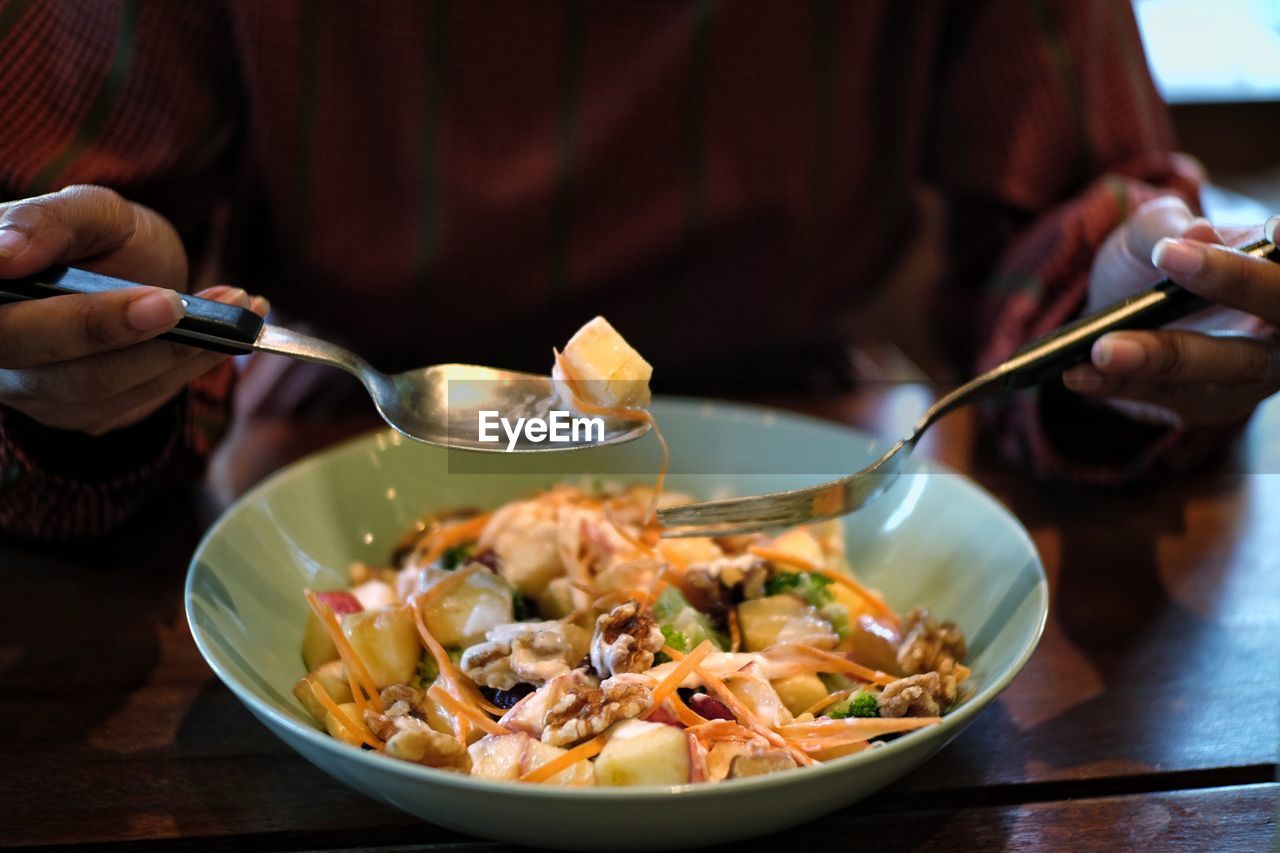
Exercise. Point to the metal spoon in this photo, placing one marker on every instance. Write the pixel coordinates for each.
(438, 405)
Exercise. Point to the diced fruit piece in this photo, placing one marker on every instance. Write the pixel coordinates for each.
(374, 595)
(721, 756)
(576, 775)
(351, 711)
(800, 691)
(758, 695)
(387, 643)
(695, 549)
(462, 615)
(800, 542)
(332, 676)
(525, 538)
(875, 644)
(609, 372)
(317, 646)
(499, 757)
(759, 763)
(557, 600)
(642, 753)
(782, 619)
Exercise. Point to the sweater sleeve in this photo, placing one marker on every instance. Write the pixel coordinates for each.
(1050, 133)
(141, 97)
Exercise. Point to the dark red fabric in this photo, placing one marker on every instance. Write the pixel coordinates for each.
(727, 182)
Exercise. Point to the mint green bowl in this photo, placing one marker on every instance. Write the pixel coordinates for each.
(935, 539)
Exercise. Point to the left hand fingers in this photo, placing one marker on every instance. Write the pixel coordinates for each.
(1223, 275)
(1204, 379)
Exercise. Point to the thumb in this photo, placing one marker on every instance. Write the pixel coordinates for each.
(1123, 264)
(71, 224)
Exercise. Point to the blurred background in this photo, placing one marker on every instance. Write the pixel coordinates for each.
(1217, 64)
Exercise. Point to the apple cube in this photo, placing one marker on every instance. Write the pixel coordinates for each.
(387, 643)
(643, 753)
(800, 691)
(463, 615)
(351, 711)
(782, 619)
(609, 372)
(499, 757)
(317, 646)
(800, 542)
(332, 676)
(577, 775)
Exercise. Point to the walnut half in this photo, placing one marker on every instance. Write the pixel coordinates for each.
(625, 640)
(926, 695)
(928, 645)
(583, 711)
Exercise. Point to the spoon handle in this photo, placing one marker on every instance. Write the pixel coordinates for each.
(1158, 305)
(207, 324)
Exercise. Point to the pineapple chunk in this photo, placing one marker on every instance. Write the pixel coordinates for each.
(609, 372)
(387, 643)
(332, 676)
(643, 753)
(800, 691)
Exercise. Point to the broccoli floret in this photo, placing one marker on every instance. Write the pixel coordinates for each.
(671, 609)
(522, 607)
(812, 588)
(861, 704)
(674, 638)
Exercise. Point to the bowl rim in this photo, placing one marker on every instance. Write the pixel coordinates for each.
(950, 725)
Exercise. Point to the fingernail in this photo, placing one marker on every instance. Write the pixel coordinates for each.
(1198, 223)
(1118, 354)
(1178, 257)
(12, 242)
(156, 309)
(1081, 378)
(1270, 228)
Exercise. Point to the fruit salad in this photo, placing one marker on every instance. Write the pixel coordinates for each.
(558, 640)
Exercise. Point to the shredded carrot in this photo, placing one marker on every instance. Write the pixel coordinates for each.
(682, 670)
(684, 713)
(360, 733)
(746, 715)
(723, 730)
(357, 674)
(632, 539)
(673, 653)
(828, 701)
(624, 413)
(735, 630)
(453, 678)
(822, 661)
(482, 721)
(870, 596)
(565, 760)
(454, 534)
(828, 752)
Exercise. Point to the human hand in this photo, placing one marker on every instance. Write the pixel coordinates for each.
(1212, 370)
(88, 362)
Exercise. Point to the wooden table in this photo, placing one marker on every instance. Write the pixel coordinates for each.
(1148, 717)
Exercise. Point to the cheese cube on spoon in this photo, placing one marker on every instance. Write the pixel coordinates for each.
(608, 371)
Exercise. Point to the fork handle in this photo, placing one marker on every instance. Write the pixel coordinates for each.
(206, 324)
(1158, 305)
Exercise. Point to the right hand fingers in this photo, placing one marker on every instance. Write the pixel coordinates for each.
(65, 328)
(102, 392)
(95, 225)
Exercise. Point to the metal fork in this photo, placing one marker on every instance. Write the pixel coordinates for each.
(1041, 359)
